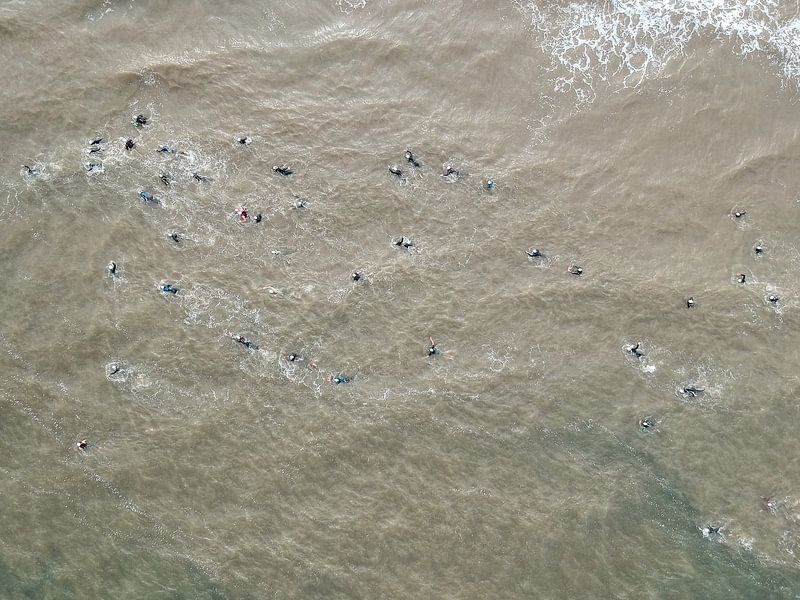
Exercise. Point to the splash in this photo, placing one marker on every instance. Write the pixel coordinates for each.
(631, 41)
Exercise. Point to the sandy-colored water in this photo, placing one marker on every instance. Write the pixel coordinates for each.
(622, 137)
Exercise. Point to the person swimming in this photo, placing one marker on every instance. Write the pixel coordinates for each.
(173, 235)
(166, 149)
(283, 170)
(490, 185)
(533, 253)
(257, 218)
(30, 170)
(689, 302)
(432, 349)
(243, 214)
(340, 378)
(94, 145)
(82, 445)
(635, 349)
(758, 249)
(356, 276)
(96, 141)
(575, 270)
(168, 288)
(691, 390)
(773, 298)
(198, 177)
(448, 170)
(739, 214)
(647, 423)
(395, 170)
(240, 339)
(292, 357)
(403, 242)
(244, 140)
(148, 197)
(412, 159)
(165, 179)
(740, 278)
(91, 167)
(112, 268)
(129, 144)
(710, 530)
(139, 121)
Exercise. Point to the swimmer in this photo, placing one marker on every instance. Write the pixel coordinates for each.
(710, 530)
(82, 445)
(292, 357)
(739, 214)
(490, 185)
(90, 167)
(411, 159)
(691, 391)
(167, 149)
(689, 302)
(94, 149)
(129, 144)
(148, 197)
(244, 140)
(341, 378)
(283, 170)
(356, 276)
(403, 242)
(300, 203)
(647, 423)
(243, 214)
(113, 369)
(773, 298)
(96, 141)
(395, 170)
(758, 249)
(768, 503)
(165, 179)
(575, 270)
(173, 235)
(432, 349)
(635, 350)
(30, 170)
(740, 278)
(112, 268)
(240, 339)
(533, 253)
(198, 177)
(448, 170)
(168, 288)
(257, 218)
(139, 120)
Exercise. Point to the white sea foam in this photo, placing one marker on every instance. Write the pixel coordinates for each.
(634, 40)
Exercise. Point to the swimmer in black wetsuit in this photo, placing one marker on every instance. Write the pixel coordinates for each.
(691, 390)
(341, 378)
(533, 253)
(432, 349)
(356, 276)
(395, 170)
(174, 237)
(448, 170)
(139, 120)
(112, 268)
(165, 179)
(635, 350)
(82, 445)
(198, 177)
(240, 339)
(689, 302)
(403, 242)
(575, 270)
(773, 298)
(740, 278)
(283, 170)
(129, 144)
(758, 249)
(30, 170)
(411, 159)
(739, 214)
(168, 288)
(244, 140)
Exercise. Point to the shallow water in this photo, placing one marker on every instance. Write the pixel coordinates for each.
(622, 137)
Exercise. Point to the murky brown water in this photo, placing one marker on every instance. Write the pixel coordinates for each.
(621, 136)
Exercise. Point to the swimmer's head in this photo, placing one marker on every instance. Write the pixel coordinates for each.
(533, 252)
(689, 302)
(773, 298)
(575, 270)
(129, 144)
(758, 249)
(740, 278)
